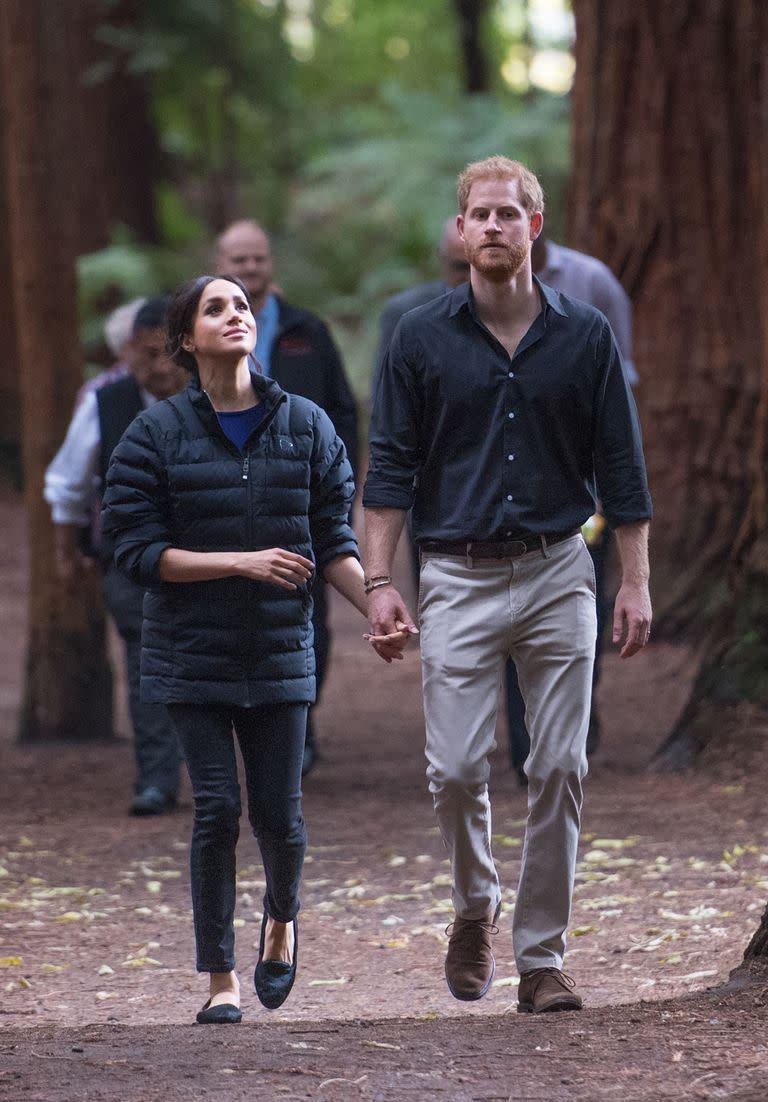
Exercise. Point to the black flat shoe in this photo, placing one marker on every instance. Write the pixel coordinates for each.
(221, 1014)
(273, 979)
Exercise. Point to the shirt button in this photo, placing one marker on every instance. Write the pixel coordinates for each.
(509, 497)
(511, 374)
(511, 416)
(510, 458)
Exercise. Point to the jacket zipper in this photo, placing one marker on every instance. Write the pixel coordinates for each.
(246, 467)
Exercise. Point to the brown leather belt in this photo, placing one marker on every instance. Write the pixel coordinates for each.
(495, 549)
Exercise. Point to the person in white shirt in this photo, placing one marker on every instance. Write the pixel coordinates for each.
(73, 483)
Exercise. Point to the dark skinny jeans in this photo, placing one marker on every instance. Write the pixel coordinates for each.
(272, 745)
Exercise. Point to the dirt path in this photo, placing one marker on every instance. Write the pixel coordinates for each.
(96, 985)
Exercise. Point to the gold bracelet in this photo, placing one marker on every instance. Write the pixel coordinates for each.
(377, 582)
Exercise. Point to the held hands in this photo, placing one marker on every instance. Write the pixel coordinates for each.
(283, 568)
(391, 623)
(633, 611)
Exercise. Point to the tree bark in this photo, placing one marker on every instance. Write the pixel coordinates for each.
(10, 396)
(132, 147)
(470, 15)
(758, 946)
(67, 692)
(117, 143)
(670, 188)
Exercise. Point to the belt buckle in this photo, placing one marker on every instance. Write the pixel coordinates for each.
(516, 543)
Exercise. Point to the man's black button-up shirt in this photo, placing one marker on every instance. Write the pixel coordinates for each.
(484, 446)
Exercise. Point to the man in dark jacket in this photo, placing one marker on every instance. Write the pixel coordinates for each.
(73, 485)
(295, 348)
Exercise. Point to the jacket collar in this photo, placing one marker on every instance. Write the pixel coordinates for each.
(266, 390)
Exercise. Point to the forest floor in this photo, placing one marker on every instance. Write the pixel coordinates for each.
(97, 986)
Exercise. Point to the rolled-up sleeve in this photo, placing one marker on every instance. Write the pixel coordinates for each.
(620, 472)
(135, 511)
(395, 419)
(332, 491)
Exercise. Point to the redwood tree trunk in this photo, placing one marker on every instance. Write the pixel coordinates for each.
(68, 683)
(758, 946)
(118, 160)
(470, 15)
(670, 188)
(10, 396)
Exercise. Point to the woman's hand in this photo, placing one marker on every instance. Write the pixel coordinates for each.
(283, 568)
(390, 646)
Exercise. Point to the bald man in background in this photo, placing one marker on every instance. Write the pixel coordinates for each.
(295, 348)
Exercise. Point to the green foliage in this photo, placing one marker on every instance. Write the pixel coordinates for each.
(368, 211)
(339, 124)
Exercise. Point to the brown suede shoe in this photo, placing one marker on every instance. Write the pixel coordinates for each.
(469, 963)
(544, 990)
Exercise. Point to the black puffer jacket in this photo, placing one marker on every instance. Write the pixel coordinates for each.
(175, 480)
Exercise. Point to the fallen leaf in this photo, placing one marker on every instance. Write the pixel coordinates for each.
(329, 983)
(505, 840)
(11, 962)
(380, 1044)
(615, 843)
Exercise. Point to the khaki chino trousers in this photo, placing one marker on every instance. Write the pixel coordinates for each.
(540, 609)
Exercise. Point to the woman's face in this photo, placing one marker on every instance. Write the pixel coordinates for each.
(223, 322)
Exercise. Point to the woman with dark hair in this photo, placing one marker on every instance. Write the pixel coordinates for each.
(223, 501)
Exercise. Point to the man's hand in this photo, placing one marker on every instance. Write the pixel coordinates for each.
(391, 623)
(633, 612)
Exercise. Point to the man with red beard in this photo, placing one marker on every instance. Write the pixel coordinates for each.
(501, 415)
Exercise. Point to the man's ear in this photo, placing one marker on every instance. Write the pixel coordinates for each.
(460, 225)
(537, 224)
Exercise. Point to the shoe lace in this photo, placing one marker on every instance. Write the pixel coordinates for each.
(468, 928)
